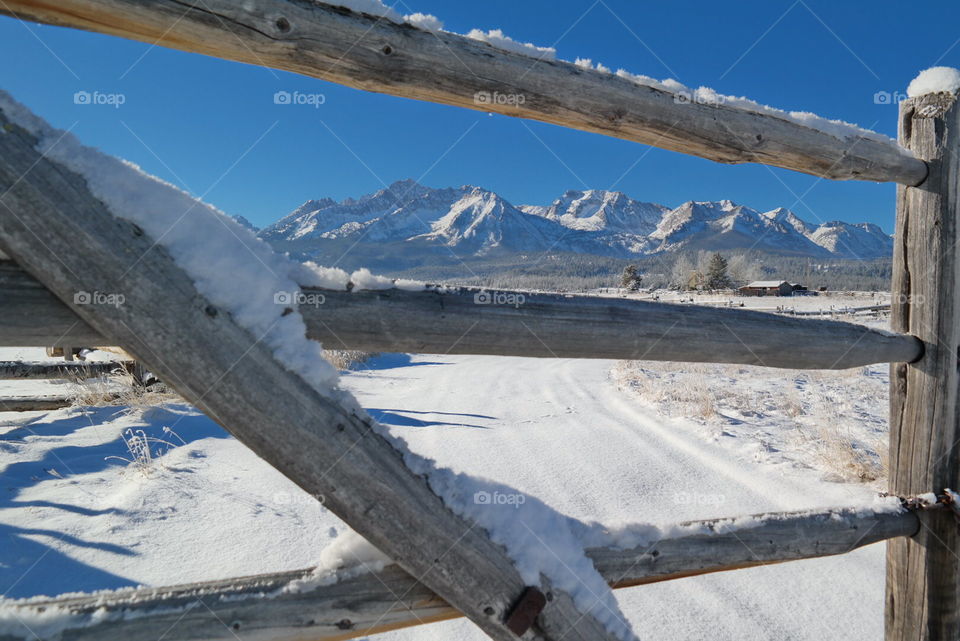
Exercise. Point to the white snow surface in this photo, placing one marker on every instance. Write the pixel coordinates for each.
(500, 40)
(560, 434)
(935, 80)
(240, 273)
(706, 95)
(587, 63)
(425, 21)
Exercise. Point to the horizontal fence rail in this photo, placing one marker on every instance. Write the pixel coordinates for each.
(377, 55)
(518, 324)
(17, 371)
(389, 598)
(35, 403)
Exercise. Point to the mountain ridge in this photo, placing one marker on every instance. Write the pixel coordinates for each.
(414, 224)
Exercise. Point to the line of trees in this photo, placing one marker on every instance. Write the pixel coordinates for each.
(691, 269)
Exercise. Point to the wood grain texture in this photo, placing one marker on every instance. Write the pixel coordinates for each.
(373, 54)
(544, 325)
(34, 403)
(52, 226)
(922, 591)
(16, 370)
(368, 603)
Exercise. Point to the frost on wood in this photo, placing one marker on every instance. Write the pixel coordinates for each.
(424, 21)
(935, 80)
(682, 93)
(428, 22)
(233, 268)
(500, 40)
(240, 273)
(706, 95)
(587, 63)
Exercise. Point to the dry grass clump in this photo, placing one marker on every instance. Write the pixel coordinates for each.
(844, 455)
(122, 390)
(346, 358)
(833, 420)
(144, 451)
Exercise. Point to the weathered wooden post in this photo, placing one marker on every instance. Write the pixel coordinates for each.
(923, 572)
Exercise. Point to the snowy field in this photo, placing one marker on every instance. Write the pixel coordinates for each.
(585, 436)
(832, 422)
(821, 302)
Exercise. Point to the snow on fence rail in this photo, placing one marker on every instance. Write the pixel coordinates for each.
(280, 406)
(386, 493)
(463, 321)
(376, 54)
(360, 600)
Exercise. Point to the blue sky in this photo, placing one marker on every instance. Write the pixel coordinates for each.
(211, 126)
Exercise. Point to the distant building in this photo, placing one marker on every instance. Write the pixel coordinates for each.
(768, 288)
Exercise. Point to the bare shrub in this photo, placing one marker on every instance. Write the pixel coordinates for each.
(346, 358)
(121, 390)
(844, 456)
(145, 450)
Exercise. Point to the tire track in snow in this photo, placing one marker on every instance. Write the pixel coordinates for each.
(562, 431)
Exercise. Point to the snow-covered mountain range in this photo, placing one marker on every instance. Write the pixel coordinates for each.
(410, 222)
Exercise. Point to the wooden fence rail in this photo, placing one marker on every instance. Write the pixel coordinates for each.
(16, 370)
(361, 51)
(540, 325)
(381, 600)
(328, 449)
(35, 403)
(322, 444)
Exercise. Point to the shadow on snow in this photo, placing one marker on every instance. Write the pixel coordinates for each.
(33, 559)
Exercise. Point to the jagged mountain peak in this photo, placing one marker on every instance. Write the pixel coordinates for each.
(473, 220)
(246, 223)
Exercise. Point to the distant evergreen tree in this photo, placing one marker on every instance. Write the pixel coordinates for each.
(631, 278)
(717, 277)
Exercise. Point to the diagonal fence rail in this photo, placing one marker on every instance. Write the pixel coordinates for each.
(324, 446)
